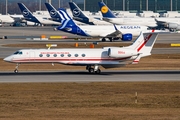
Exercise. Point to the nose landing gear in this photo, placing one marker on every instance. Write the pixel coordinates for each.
(16, 68)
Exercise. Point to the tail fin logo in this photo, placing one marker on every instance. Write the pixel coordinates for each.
(76, 12)
(25, 13)
(53, 13)
(104, 9)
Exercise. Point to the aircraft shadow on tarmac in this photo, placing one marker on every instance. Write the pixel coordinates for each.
(86, 73)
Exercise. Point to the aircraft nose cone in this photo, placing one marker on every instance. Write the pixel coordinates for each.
(7, 59)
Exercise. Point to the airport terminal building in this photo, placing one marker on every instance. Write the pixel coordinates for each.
(134, 5)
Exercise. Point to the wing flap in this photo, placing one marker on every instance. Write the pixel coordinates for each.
(117, 33)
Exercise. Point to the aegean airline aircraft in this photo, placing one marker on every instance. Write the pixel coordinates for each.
(112, 32)
(92, 58)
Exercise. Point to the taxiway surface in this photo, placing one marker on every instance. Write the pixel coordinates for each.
(84, 76)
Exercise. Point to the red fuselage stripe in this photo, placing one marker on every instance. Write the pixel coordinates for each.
(70, 59)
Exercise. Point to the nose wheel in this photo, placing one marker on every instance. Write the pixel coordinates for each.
(16, 68)
(16, 71)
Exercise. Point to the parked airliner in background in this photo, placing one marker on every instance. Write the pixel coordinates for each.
(92, 58)
(110, 17)
(55, 15)
(159, 23)
(111, 32)
(81, 17)
(6, 19)
(38, 19)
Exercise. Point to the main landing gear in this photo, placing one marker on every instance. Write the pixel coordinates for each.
(94, 69)
(16, 68)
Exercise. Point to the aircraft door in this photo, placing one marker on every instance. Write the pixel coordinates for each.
(31, 56)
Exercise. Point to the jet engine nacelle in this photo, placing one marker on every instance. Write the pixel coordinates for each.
(121, 52)
(174, 26)
(127, 37)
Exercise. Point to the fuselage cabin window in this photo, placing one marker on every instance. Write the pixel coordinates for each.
(69, 55)
(76, 55)
(55, 55)
(83, 55)
(40, 55)
(48, 55)
(62, 55)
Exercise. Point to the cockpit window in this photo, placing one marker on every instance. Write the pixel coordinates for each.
(18, 52)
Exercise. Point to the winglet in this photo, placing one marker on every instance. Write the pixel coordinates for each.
(106, 12)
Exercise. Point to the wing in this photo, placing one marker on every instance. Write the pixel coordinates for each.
(115, 34)
(160, 22)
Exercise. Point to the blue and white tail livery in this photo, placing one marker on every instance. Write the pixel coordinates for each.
(79, 15)
(27, 13)
(38, 19)
(68, 25)
(53, 13)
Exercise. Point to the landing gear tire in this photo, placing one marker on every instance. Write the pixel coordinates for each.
(91, 70)
(16, 71)
(103, 39)
(98, 71)
(111, 39)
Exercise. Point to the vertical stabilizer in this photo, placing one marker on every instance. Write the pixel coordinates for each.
(25, 11)
(53, 12)
(68, 25)
(106, 12)
(78, 14)
(144, 44)
(66, 19)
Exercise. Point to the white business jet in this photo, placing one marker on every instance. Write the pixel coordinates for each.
(92, 58)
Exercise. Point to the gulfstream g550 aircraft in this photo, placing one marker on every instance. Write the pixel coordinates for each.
(107, 57)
